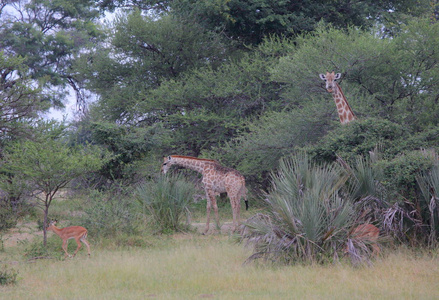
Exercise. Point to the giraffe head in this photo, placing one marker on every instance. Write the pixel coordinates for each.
(330, 79)
(167, 163)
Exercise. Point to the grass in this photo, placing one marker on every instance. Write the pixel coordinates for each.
(194, 267)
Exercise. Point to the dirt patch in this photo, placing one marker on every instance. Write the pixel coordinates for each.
(23, 232)
(226, 228)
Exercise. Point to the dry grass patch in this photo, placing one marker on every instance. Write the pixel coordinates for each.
(197, 267)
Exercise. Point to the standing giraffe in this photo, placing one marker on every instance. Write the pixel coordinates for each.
(344, 110)
(216, 179)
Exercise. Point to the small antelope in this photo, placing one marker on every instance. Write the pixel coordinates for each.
(367, 233)
(78, 233)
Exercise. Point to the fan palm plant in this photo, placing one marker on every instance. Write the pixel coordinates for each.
(167, 199)
(307, 219)
(429, 185)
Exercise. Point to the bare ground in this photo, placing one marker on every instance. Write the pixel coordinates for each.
(24, 231)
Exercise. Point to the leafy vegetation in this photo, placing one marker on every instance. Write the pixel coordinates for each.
(310, 213)
(8, 276)
(231, 80)
(167, 200)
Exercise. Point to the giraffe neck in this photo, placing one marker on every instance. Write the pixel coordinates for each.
(192, 163)
(345, 112)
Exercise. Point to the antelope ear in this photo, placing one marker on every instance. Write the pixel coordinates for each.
(337, 76)
(169, 157)
(322, 76)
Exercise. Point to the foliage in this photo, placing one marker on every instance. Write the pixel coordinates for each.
(428, 182)
(8, 275)
(393, 79)
(308, 218)
(359, 138)
(208, 107)
(8, 218)
(42, 168)
(132, 148)
(143, 52)
(167, 200)
(108, 215)
(20, 102)
(401, 171)
(54, 33)
(248, 22)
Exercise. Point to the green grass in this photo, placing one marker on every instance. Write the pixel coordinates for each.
(193, 266)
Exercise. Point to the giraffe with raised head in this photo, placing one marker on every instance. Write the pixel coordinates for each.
(345, 112)
(216, 179)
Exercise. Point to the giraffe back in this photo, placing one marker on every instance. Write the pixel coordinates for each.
(222, 179)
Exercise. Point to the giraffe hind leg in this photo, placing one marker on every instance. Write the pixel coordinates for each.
(234, 201)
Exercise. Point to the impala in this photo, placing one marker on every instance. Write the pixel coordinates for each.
(368, 234)
(78, 233)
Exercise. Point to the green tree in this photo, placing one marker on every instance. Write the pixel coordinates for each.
(20, 103)
(49, 35)
(143, 52)
(248, 22)
(394, 78)
(133, 150)
(45, 167)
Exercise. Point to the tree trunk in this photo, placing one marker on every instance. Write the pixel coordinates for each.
(46, 213)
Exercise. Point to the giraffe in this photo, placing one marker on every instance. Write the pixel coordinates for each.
(216, 179)
(345, 112)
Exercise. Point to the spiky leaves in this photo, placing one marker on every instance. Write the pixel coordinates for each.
(167, 199)
(307, 220)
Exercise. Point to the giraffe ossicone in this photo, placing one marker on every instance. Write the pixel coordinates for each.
(345, 112)
(216, 179)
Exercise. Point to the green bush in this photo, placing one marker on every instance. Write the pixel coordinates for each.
(167, 200)
(7, 275)
(400, 173)
(8, 218)
(110, 215)
(359, 138)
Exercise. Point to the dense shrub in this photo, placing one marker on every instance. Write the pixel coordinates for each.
(359, 138)
(7, 275)
(109, 215)
(8, 218)
(401, 171)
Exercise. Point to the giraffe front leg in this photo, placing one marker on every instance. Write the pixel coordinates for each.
(215, 209)
(208, 206)
(211, 202)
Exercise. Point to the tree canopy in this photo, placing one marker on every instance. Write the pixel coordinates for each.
(232, 80)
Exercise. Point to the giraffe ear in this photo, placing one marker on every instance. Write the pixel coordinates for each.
(322, 76)
(337, 76)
